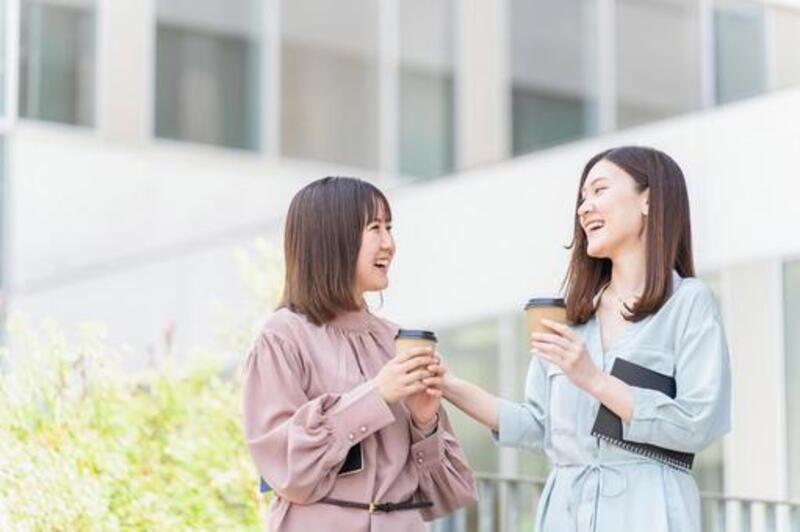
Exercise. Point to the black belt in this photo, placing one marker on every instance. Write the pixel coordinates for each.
(373, 507)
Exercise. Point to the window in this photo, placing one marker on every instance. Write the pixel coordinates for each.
(791, 299)
(530, 464)
(57, 61)
(329, 81)
(426, 108)
(657, 60)
(3, 56)
(709, 466)
(551, 72)
(3, 206)
(3, 232)
(207, 75)
(471, 353)
(740, 49)
(785, 24)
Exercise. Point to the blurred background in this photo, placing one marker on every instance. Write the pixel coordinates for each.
(145, 142)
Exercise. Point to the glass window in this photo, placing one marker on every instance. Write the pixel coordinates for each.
(785, 24)
(57, 61)
(551, 72)
(207, 75)
(426, 110)
(740, 53)
(3, 206)
(532, 464)
(329, 81)
(3, 58)
(709, 466)
(791, 298)
(471, 353)
(657, 59)
(3, 217)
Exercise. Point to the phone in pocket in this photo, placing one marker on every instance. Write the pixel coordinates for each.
(353, 462)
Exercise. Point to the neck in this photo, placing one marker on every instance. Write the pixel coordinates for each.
(628, 274)
(358, 297)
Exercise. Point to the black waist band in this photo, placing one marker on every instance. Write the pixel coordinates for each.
(373, 507)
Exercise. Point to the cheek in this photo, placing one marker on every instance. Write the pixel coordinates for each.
(362, 266)
(364, 260)
(366, 255)
(629, 225)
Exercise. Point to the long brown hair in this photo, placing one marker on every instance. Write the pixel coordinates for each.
(324, 227)
(668, 236)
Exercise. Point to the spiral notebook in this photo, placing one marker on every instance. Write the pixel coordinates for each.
(608, 425)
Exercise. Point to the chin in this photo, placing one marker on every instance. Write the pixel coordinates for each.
(597, 252)
(377, 286)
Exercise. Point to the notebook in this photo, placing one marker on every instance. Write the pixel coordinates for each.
(608, 425)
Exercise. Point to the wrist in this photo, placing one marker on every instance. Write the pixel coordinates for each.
(449, 385)
(428, 425)
(595, 383)
(385, 394)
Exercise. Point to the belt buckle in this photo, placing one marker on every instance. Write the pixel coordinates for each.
(373, 507)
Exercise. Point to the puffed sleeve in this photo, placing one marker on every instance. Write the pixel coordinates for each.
(298, 444)
(445, 477)
(523, 424)
(700, 412)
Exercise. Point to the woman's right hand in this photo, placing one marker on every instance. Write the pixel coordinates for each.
(402, 376)
(471, 399)
(448, 380)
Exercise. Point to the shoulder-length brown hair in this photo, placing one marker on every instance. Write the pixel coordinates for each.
(668, 236)
(322, 238)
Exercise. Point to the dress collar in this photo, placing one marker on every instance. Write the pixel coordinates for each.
(353, 320)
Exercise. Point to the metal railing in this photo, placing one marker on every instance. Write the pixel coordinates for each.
(508, 503)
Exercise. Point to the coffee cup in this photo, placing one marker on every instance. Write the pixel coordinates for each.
(541, 308)
(413, 338)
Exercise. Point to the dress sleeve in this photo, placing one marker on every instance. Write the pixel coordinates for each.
(298, 444)
(700, 412)
(445, 477)
(523, 424)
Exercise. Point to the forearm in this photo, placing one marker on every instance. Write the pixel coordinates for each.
(473, 400)
(613, 393)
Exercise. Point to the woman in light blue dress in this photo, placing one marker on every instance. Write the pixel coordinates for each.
(630, 293)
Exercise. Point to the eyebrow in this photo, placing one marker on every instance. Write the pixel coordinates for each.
(593, 181)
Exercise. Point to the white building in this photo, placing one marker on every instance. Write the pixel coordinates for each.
(143, 141)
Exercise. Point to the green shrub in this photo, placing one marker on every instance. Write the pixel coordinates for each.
(85, 445)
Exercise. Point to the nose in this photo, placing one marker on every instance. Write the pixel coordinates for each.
(585, 207)
(387, 241)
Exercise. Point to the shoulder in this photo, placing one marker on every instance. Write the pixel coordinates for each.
(285, 322)
(285, 330)
(693, 295)
(696, 309)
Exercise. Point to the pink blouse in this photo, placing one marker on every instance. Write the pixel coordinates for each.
(309, 397)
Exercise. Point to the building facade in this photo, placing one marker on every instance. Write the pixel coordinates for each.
(143, 141)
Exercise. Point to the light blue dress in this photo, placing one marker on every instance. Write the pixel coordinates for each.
(597, 486)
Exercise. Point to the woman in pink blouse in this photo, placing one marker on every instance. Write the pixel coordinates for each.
(350, 436)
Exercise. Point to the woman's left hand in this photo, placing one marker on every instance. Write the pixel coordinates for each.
(564, 348)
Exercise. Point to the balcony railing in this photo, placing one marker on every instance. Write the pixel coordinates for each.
(509, 503)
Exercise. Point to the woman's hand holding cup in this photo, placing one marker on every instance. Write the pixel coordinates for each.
(403, 375)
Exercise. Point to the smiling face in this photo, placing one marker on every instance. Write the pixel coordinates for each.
(375, 256)
(612, 212)
(631, 212)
